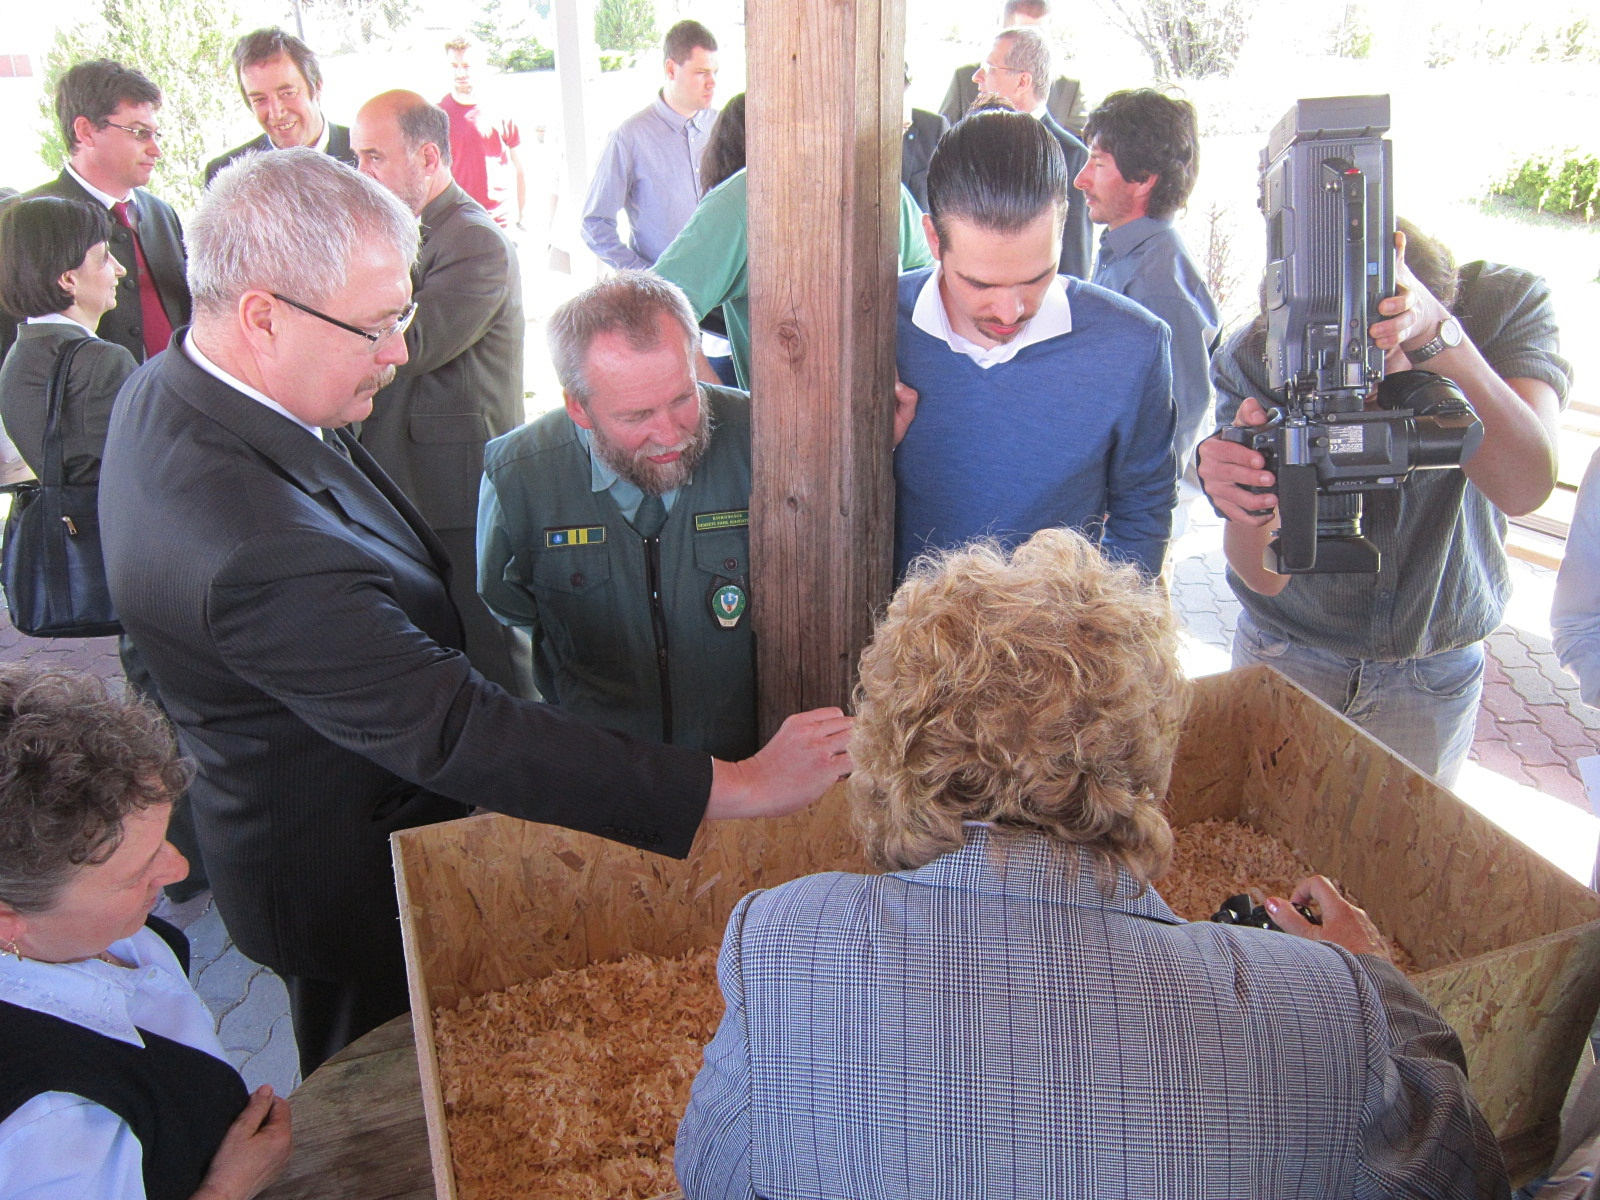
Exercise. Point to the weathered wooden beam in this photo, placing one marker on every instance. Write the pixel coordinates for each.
(824, 155)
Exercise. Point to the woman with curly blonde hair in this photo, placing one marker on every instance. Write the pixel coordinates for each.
(1012, 1011)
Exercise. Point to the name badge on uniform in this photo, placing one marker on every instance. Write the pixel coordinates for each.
(728, 604)
(736, 518)
(576, 535)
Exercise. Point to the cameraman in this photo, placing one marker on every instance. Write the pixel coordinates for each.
(1401, 652)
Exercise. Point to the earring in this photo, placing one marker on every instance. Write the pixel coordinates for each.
(11, 949)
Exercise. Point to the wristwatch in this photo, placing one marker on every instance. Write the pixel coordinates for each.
(1448, 338)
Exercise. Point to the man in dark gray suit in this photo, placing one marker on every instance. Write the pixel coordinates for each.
(108, 120)
(1017, 66)
(281, 81)
(292, 605)
(462, 384)
(1066, 102)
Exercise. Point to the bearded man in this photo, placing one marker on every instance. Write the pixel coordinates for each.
(616, 530)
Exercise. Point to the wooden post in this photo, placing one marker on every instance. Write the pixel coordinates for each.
(824, 106)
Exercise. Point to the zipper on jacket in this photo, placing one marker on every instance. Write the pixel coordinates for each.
(658, 623)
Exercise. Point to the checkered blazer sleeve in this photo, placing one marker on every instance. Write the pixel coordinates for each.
(713, 1150)
(1422, 1135)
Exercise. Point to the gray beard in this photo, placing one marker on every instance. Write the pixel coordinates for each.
(656, 479)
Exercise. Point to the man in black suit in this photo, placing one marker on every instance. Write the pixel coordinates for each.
(281, 80)
(1066, 101)
(1017, 66)
(462, 384)
(108, 120)
(292, 605)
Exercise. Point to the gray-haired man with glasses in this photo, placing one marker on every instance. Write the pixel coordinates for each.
(108, 118)
(462, 385)
(292, 605)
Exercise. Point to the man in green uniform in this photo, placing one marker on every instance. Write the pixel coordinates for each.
(616, 530)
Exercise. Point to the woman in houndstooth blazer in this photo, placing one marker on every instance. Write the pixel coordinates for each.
(1011, 1010)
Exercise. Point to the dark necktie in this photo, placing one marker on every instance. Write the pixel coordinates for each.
(652, 515)
(336, 443)
(157, 329)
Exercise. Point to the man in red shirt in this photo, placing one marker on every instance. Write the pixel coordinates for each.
(483, 149)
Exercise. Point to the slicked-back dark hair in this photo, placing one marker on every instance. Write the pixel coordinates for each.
(39, 240)
(684, 38)
(95, 89)
(1150, 133)
(997, 169)
(75, 761)
(264, 45)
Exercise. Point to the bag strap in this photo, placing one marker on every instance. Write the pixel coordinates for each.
(54, 452)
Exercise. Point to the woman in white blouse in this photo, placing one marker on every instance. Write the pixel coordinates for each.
(112, 1080)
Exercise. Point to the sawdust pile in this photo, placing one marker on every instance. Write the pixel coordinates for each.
(573, 1085)
(1212, 860)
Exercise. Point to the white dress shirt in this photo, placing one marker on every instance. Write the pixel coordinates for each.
(1052, 320)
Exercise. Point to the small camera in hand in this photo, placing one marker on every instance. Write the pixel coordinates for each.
(1242, 910)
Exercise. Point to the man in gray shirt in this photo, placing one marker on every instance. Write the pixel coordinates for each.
(650, 167)
(1144, 156)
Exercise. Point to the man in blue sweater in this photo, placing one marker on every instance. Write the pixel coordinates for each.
(1042, 400)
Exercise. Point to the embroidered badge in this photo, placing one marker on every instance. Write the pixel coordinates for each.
(733, 519)
(581, 535)
(728, 604)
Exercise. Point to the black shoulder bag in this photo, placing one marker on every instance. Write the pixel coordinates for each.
(51, 567)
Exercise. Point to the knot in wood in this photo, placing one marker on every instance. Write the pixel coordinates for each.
(792, 341)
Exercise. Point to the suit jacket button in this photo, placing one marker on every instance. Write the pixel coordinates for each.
(728, 564)
(577, 579)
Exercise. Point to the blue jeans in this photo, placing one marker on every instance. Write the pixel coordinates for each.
(1424, 709)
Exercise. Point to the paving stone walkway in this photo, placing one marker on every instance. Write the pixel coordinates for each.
(1532, 730)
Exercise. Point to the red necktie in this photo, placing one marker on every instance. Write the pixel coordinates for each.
(157, 329)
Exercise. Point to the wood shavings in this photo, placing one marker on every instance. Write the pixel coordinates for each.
(1212, 860)
(573, 1085)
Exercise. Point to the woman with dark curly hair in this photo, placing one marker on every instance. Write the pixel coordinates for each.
(1011, 1010)
(112, 1080)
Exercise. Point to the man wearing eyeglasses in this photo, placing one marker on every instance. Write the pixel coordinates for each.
(107, 114)
(292, 605)
(1017, 70)
(281, 80)
(462, 384)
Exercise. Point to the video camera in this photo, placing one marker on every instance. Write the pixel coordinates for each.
(1328, 199)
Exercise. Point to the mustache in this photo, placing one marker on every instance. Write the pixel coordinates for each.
(382, 379)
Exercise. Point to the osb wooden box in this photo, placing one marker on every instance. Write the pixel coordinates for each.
(1507, 943)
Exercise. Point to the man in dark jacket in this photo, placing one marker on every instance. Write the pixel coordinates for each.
(462, 383)
(291, 603)
(108, 116)
(617, 531)
(281, 81)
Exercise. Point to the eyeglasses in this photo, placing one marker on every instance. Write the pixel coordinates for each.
(989, 66)
(401, 323)
(141, 133)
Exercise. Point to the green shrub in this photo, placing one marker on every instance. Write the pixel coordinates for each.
(1564, 182)
(527, 54)
(610, 61)
(625, 25)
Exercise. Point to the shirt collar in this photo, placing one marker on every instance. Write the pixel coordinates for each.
(1124, 239)
(327, 133)
(1053, 319)
(57, 319)
(105, 198)
(94, 994)
(677, 121)
(216, 372)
